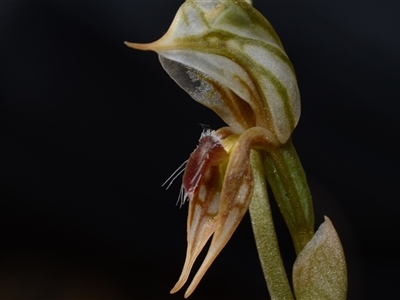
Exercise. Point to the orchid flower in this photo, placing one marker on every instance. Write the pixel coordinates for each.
(219, 182)
(228, 57)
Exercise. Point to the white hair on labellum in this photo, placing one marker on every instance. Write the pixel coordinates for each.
(187, 191)
(175, 175)
(182, 197)
(207, 131)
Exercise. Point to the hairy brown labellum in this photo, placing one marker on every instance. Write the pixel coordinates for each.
(208, 153)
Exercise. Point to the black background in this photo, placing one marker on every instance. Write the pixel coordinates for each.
(90, 129)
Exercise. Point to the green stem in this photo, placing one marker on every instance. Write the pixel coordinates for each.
(288, 182)
(264, 233)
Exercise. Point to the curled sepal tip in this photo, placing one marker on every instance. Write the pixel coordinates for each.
(320, 269)
(227, 56)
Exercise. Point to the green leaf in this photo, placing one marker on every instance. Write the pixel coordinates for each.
(320, 269)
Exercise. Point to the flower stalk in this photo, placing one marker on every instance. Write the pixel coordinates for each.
(291, 192)
(265, 236)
